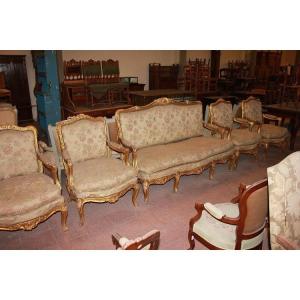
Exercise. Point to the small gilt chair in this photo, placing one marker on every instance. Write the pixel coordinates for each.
(27, 196)
(284, 203)
(92, 174)
(8, 114)
(221, 120)
(236, 225)
(149, 241)
(270, 134)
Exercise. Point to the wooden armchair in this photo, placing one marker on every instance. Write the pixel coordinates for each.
(221, 120)
(149, 241)
(236, 225)
(27, 196)
(284, 203)
(92, 174)
(270, 134)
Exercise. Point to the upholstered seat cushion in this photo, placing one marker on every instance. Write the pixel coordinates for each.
(220, 234)
(95, 176)
(26, 197)
(270, 131)
(241, 137)
(161, 157)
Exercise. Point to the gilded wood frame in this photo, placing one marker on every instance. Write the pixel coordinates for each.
(231, 159)
(68, 165)
(241, 199)
(31, 224)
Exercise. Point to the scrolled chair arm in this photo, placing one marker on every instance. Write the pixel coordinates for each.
(273, 118)
(49, 165)
(215, 128)
(69, 165)
(244, 122)
(43, 147)
(121, 149)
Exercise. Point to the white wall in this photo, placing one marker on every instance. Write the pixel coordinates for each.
(131, 62)
(30, 74)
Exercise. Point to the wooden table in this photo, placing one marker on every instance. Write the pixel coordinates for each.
(146, 97)
(287, 110)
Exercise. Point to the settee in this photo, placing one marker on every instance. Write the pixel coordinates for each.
(166, 140)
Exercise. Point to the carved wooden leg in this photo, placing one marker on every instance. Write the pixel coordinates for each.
(266, 148)
(135, 193)
(191, 240)
(80, 210)
(146, 190)
(212, 170)
(176, 182)
(64, 216)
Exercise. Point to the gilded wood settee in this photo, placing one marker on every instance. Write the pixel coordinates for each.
(166, 140)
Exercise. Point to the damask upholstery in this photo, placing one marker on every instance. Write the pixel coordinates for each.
(270, 131)
(252, 110)
(244, 137)
(284, 201)
(85, 139)
(223, 235)
(8, 114)
(179, 153)
(221, 114)
(160, 125)
(17, 153)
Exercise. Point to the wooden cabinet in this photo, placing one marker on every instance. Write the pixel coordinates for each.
(163, 77)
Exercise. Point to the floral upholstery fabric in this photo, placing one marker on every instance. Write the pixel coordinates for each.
(101, 176)
(26, 197)
(17, 153)
(284, 200)
(161, 157)
(242, 137)
(221, 114)
(161, 124)
(85, 139)
(252, 110)
(8, 116)
(220, 234)
(270, 131)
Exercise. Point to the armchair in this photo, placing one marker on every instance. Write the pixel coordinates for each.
(221, 121)
(92, 174)
(149, 241)
(27, 196)
(284, 203)
(270, 134)
(236, 225)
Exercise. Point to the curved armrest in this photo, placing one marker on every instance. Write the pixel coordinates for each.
(285, 243)
(244, 122)
(273, 118)
(43, 147)
(50, 165)
(68, 163)
(119, 148)
(214, 128)
(214, 211)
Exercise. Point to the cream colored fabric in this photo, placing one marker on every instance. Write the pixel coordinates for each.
(161, 125)
(284, 200)
(213, 210)
(220, 234)
(17, 153)
(8, 116)
(161, 157)
(242, 137)
(100, 176)
(85, 139)
(270, 131)
(26, 197)
(125, 242)
(221, 114)
(185, 167)
(252, 110)
(113, 134)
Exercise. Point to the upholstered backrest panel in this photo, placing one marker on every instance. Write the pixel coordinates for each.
(221, 114)
(252, 110)
(8, 116)
(17, 153)
(160, 124)
(284, 200)
(257, 209)
(85, 139)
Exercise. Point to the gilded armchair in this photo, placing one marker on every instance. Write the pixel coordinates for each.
(284, 203)
(236, 225)
(92, 174)
(27, 196)
(221, 121)
(270, 134)
(149, 241)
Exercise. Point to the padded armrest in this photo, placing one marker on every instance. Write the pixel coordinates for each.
(214, 211)
(242, 121)
(117, 147)
(285, 243)
(65, 154)
(44, 147)
(273, 118)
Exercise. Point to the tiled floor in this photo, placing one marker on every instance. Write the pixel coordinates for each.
(167, 211)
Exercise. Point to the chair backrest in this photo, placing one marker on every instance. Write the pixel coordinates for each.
(55, 146)
(252, 110)
(220, 113)
(8, 114)
(149, 241)
(284, 200)
(83, 136)
(92, 71)
(253, 207)
(18, 148)
(160, 122)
